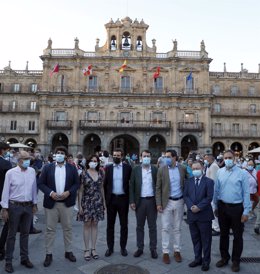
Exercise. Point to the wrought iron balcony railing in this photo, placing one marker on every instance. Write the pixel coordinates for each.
(190, 126)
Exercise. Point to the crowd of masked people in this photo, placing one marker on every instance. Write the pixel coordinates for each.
(217, 195)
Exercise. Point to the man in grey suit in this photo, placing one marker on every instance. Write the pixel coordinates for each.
(142, 200)
(170, 203)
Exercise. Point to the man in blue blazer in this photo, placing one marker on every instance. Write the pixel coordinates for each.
(59, 182)
(116, 188)
(198, 194)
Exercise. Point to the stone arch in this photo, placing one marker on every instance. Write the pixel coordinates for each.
(31, 143)
(126, 142)
(59, 139)
(91, 144)
(157, 144)
(217, 148)
(188, 144)
(253, 145)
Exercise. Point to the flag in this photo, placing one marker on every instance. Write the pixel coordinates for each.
(123, 67)
(87, 71)
(55, 69)
(156, 74)
(189, 77)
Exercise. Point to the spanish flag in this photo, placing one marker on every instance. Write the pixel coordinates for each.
(55, 69)
(156, 74)
(123, 67)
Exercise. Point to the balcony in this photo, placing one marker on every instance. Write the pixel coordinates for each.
(190, 126)
(235, 112)
(124, 124)
(63, 124)
(228, 133)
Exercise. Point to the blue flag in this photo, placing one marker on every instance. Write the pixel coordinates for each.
(189, 77)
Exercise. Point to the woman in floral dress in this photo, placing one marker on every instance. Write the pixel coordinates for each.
(91, 204)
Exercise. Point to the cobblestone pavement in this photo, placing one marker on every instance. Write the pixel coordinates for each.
(154, 266)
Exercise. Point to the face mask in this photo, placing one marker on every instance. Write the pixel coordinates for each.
(197, 158)
(92, 165)
(37, 154)
(60, 158)
(7, 154)
(196, 173)
(250, 168)
(247, 159)
(229, 163)
(116, 160)
(206, 162)
(168, 161)
(26, 163)
(146, 161)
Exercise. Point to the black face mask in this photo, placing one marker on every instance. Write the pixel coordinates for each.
(116, 160)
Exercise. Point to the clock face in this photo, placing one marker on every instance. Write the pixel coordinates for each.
(125, 53)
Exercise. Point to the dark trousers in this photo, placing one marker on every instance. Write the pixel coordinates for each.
(229, 216)
(120, 205)
(146, 210)
(19, 216)
(201, 238)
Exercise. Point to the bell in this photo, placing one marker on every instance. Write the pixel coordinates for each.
(113, 43)
(126, 43)
(139, 43)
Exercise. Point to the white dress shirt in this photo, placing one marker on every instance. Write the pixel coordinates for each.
(147, 183)
(60, 178)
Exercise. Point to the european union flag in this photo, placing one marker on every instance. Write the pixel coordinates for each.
(189, 77)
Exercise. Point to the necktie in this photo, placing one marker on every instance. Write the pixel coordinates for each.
(196, 185)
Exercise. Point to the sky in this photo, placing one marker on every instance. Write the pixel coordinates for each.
(229, 28)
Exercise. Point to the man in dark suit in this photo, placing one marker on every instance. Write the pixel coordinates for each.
(198, 194)
(59, 182)
(142, 200)
(116, 188)
(4, 167)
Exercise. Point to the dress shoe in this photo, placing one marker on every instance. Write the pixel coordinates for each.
(257, 230)
(138, 253)
(205, 267)
(109, 252)
(235, 267)
(195, 263)
(70, 257)
(154, 254)
(222, 263)
(124, 252)
(166, 258)
(27, 263)
(9, 268)
(48, 260)
(215, 233)
(177, 256)
(35, 231)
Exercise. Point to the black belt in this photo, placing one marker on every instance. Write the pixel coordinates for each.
(147, 197)
(30, 203)
(175, 199)
(229, 204)
(119, 195)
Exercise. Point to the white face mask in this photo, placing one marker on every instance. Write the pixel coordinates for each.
(92, 165)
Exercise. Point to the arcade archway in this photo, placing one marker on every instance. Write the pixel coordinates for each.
(91, 144)
(217, 148)
(59, 139)
(31, 143)
(12, 141)
(125, 142)
(237, 148)
(253, 146)
(188, 144)
(157, 145)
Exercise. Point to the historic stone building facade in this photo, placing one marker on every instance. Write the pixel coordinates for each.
(187, 108)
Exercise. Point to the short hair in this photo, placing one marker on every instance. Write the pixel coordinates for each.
(89, 160)
(105, 154)
(230, 151)
(147, 151)
(198, 162)
(4, 146)
(62, 148)
(173, 152)
(38, 149)
(70, 155)
(118, 150)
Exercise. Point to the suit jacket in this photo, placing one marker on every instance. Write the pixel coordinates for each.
(136, 183)
(108, 181)
(202, 198)
(211, 171)
(47, 184)
(163, 184)
(4, 167)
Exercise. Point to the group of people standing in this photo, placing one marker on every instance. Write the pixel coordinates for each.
(207, 192)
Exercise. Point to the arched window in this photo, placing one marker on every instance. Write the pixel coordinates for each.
(216, 89)
(113, 43)
(234, 90)
(126, 41)
(217, 107)
(139, 44)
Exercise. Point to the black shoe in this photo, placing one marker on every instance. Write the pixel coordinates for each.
(124, 252)
(35, 231)
(215, 233)
(2, 255)
(195, 263)
(9, 268)
(222, 263)
(235, 267)
(109, 252)
(138, 253)
(48, 260)
(154, 254)
(70, 257)
(27, 263)
(205, 267)
(257, 230)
